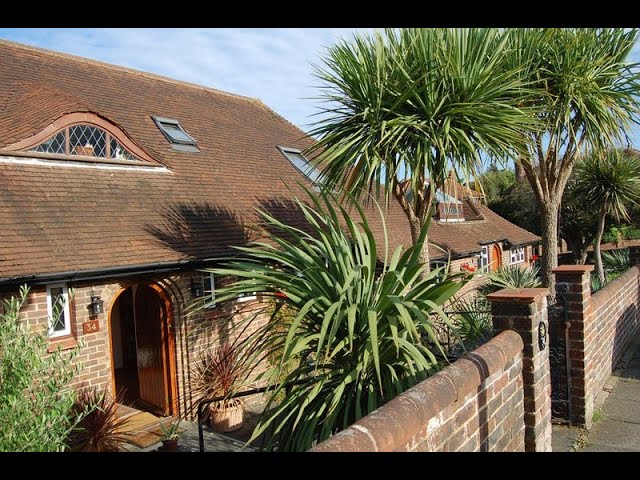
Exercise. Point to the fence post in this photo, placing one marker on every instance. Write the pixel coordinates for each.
(573, 282)
(524, 310)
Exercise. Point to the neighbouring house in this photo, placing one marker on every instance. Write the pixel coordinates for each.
(118, 186)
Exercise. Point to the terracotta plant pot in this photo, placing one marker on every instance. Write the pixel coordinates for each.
(170, 445)
(227, 418)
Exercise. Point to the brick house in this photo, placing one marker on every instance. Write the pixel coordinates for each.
(118, 186)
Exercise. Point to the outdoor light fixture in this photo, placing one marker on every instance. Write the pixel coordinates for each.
(196, 289)
(96, 306)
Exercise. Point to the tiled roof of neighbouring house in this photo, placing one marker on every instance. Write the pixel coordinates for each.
(55, 219)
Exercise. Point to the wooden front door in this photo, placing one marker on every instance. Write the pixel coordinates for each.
(152, 351)
(496, 257)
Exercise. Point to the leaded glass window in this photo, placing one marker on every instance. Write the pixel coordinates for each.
(85, 140)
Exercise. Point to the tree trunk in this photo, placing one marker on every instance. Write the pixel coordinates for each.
(597, 254)
(549, 260)
(578, 246)
(521, 176)
(416, 227)
(583, 257)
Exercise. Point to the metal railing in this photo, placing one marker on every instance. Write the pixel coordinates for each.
(246, 393)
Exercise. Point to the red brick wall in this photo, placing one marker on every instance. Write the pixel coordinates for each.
(616, 322)
(193, 332)
(475, 404)
(601, 327)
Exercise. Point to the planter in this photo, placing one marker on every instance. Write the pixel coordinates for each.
(170, 445)
(227, 417)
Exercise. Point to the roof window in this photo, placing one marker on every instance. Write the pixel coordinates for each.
(173, 131)
(301, 163)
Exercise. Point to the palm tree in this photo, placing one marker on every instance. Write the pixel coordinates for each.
(608, 182)
(405, 106)
(587, 99)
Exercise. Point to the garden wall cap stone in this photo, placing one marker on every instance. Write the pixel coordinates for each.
(573, 269)
(518, 295)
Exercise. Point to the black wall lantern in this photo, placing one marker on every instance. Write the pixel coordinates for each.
(96, 306)
(196, 289)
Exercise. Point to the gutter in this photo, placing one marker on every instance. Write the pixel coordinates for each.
(102, 273)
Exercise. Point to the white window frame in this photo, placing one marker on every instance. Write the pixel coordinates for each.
(66, 311)
(439, 264)
(212, 292)
(484, 259)
(247, 297)
(516, 255)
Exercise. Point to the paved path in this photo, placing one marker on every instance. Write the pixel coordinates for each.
(616, 426)
(214, 442)
(618, 430)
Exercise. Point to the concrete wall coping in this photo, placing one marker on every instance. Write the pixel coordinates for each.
(573, 269)
(518, 295)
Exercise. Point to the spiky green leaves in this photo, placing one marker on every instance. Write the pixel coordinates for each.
(356, 325)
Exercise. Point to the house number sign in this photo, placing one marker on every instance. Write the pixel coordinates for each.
(542, 335)
(91, 326)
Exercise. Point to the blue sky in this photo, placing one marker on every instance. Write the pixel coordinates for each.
(272, 64)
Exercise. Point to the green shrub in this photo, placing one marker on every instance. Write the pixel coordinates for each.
(35, 397)
(473, 322)
(356, 337)
(616, 261)
(510, 276)
(630, 232)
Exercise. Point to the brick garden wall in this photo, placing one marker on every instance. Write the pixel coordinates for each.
(601, 327)
(475, 404)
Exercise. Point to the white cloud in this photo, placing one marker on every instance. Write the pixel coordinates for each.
(273, 65)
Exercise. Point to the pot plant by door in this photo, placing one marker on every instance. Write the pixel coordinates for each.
(219, 374)
(170, 436)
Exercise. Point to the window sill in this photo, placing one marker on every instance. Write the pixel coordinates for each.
(64, 343)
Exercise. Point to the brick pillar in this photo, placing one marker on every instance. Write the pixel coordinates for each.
(573, 284)
(523, 310)
(634, 255)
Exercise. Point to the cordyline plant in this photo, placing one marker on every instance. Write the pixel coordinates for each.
(218, 373)
(586, 98)
(405, 106)
(608, 183)
(359, 329)
(101, 429)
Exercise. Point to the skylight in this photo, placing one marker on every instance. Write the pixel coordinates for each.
(301, 163)
(174, 132)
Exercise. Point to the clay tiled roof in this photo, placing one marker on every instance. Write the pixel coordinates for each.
(58, 219)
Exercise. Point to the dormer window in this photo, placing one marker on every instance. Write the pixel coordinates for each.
(302, 164)
(173, 131)
(83, 137)
(450, 212)
(85, 141)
